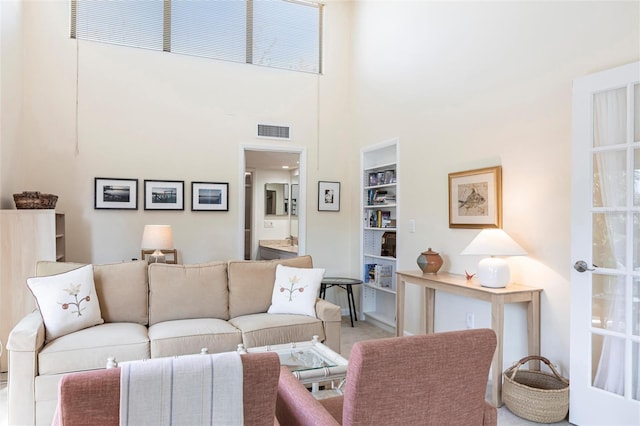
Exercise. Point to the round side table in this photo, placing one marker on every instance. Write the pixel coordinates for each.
(345, 283)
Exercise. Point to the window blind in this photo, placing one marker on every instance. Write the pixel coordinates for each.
(275, 33)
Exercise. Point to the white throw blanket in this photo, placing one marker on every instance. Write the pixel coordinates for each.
(187, 390)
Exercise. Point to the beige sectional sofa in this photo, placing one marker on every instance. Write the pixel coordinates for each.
(155, 311)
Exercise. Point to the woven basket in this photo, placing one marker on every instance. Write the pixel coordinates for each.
(535, 395)
(35, 200)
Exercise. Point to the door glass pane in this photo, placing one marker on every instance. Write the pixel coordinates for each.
(607, 307)
(636, 242)
(636, 112)
(636, 177)
(608, 363)
(609, 240)
(635, 371)
(635, 307)
(610, 117)
(609, 179)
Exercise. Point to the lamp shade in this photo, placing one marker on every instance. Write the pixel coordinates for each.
(492, 271)
(493, 242)
(157, 237)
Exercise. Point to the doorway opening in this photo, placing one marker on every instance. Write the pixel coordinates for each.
(273, 198)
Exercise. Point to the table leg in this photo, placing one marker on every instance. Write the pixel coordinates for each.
(429, 310)
(323, 290)
(349, 300)
(352, 303)
(497, 324)
(533, 328)
(400, 307)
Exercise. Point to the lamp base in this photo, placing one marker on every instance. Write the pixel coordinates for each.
(493, 272)
(157, 257)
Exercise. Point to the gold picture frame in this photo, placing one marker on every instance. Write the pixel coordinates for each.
(475, 198)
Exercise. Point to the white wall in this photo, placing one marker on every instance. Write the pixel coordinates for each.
(11, 83)
(466, 85)
(152, 115)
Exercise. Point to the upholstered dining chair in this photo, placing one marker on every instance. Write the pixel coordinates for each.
(93, 397)
(435, 379)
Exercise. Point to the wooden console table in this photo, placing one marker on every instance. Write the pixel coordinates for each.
(457, 284)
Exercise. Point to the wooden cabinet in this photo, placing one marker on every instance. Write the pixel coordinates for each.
(27, 236)
(380, 216)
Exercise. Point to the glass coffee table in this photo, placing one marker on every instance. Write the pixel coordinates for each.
(310, 362)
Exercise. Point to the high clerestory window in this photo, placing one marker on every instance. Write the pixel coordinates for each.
(275, 33)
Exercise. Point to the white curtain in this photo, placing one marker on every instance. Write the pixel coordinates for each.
(610, 129)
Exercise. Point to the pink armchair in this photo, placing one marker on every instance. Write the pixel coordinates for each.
(433, 379)
(93, 397)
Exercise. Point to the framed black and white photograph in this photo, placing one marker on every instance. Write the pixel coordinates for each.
(328, 196)
(163, 195)
(117, 194)
(210, 196)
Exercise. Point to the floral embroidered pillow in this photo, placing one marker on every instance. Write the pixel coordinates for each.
(295, 290)
(68, 302)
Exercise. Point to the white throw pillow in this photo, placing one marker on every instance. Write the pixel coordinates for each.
(295, 290)
(68, 302)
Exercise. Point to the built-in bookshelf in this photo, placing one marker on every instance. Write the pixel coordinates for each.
(380, 218)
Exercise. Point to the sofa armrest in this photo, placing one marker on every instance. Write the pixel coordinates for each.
(296, 405)
(331, 316)
(25, 342)
(327, 311)
(28, 334)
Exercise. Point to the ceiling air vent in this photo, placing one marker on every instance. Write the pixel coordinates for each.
(274, 132)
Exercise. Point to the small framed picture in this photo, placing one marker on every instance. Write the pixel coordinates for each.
(163, 195)
(475, 198)
(117, 194)
(328, 196)
(210, 196)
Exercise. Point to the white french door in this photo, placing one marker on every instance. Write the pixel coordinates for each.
(605, 237)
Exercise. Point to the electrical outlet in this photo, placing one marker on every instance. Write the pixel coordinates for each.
(470, 320)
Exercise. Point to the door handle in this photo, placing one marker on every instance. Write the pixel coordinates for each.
(582, 266)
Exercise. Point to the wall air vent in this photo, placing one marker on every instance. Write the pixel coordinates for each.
(274, 132)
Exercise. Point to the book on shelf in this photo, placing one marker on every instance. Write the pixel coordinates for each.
(380, 219)
(370, 273)
(383, 275)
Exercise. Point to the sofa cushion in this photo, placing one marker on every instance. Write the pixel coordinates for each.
(188, 291)
(68, 301)
(89, 349)
(251, 283)
(123, 291)
(189, 336)
(295, 290)
(272, 329)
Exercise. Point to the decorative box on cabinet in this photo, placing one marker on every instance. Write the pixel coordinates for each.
(379, 208)
(27, 236)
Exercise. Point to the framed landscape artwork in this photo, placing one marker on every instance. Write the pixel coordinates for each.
(209, 196)
(163, 195)
(114, 193)
(328, 196)
(475, 198)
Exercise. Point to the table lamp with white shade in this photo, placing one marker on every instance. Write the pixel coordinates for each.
(493, 271)
(158, 238)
